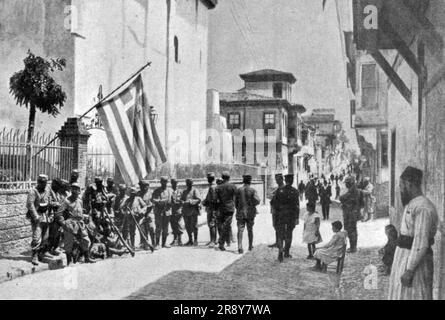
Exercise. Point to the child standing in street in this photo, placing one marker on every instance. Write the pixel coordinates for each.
(311, 233)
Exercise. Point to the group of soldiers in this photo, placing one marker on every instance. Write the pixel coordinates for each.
(103, 221)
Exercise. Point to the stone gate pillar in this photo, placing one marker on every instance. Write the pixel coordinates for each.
(74, 133)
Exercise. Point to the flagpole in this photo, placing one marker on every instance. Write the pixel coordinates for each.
(97, 104)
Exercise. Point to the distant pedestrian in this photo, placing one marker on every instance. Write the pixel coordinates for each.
(301, 188)
(325, 199)
(311, 192)
(367, 189)
(311, 232)
(412, 271)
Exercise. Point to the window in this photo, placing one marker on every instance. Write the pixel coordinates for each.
(269, 120)
(234, 121)
(176, 44)
(278, 90)
(369, 86)
(393, 168)
(384, 154)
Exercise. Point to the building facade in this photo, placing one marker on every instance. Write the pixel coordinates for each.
(264, 105)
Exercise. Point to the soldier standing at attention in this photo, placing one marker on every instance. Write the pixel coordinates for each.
(38, 202)
(190, 200)
(350, 203)
(148, 219)
(287, 210)
(135, 206)
(71, 217)
(211, 205)
(176, 221)
(162, 199)
(225, 194)
(246, 200)
(280, 182)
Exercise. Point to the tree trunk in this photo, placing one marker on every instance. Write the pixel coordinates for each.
(31, 124)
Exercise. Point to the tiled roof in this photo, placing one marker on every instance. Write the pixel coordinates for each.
(268, 75)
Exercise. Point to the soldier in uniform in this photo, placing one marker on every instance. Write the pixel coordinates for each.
(246, 200)
(38, 203)
(287, 211)
(148, 220)
(119, 200)
(162, 199)
(350, 203)
(211, 205)
(177, 220)
(190, 200)
(95, 202)
(71, 217)
(58, 188)
(225, 194)
(136, 206)
(280, 182)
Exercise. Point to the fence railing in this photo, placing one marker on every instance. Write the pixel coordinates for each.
(100, 163)
(20, 164)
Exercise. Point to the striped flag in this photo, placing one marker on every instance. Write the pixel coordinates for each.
(131, 133)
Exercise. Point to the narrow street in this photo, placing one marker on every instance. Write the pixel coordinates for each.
(203, 273)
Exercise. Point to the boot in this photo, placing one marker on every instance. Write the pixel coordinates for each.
(69, 258)
(190, 242)
(280, 256)
(179, 241)
(35, 258)
(152, 238)
(250, 234)
(164, 242)
(158, 246)
(175, 241)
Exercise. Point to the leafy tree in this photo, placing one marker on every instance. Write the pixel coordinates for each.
(35, 88)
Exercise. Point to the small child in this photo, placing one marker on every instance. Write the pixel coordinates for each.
(390, 248)
(333, 250)
(311, 233)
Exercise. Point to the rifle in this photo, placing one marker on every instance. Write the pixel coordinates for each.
(140, 229)
(116, 230)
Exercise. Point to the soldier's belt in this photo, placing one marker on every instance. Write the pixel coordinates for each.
(406, 242)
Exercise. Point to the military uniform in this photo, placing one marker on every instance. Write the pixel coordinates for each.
(118, 202)
(350, 203)
(70, 215)
(287, 210)
(38, 204)
(148, 220)
(225, 194)
(138, 208)
(211, 205)
(190, 211)
(55, 230)
(177, 220)
(96, 201)
(246, 200)
(162, 199)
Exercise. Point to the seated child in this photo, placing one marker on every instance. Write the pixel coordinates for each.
(390, 248)
(333, 250)
(311, 233)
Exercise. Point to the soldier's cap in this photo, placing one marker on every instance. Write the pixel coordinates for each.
(144, 183)
(367, 179)
(110, 179)
(98, 179)
(287, 176)
(247, 178)
(188, 180)
(219, 181)
(225, 174)
(75, 185)
(164, 179)
(173, 180)
(42, 177)
(64, 182)
(413, 175)
(75, 171)
(122, 187)
(278, 175)
(211, 175)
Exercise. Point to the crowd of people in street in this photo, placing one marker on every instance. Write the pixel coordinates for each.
(102, 221)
